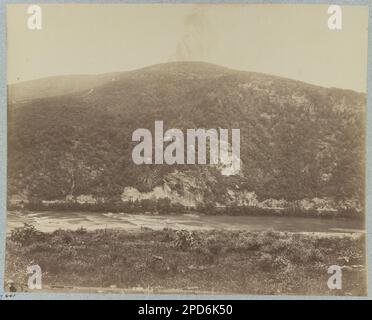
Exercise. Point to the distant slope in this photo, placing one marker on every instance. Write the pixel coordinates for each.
(297, 140)
(55, 86)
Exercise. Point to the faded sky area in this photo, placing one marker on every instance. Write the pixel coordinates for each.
(286, 40)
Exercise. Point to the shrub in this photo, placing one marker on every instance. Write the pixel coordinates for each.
(186, 240)
(81, 231)
(213, 244)
(26, 235)
(265, 262)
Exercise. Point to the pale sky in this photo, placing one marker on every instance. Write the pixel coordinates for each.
(293, 41)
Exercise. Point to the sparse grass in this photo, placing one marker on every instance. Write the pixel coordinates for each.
(237, 262)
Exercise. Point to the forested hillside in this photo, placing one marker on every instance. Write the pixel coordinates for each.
(297, 140)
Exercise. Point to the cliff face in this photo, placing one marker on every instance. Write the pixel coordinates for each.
(298, 141)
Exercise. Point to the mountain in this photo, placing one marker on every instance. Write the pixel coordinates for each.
(71, 135)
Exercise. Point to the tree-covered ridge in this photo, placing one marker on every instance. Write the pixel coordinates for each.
(297, 140)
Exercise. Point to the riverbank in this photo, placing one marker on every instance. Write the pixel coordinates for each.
(164, 207)
(215, 261)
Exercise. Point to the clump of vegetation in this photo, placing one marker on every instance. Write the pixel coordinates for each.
(26, 235)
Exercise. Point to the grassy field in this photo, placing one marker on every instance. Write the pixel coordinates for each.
(216, 261)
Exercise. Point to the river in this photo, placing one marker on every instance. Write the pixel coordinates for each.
(48, 221)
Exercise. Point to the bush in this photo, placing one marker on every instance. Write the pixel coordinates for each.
(186, 240)
(81, 231)
(265, 262)
(213, 244)
(26, 235)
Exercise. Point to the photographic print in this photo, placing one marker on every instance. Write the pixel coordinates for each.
(186, 149)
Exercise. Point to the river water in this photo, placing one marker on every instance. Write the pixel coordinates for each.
(49, 221)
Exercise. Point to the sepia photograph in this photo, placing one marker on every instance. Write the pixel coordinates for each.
(186, 149)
